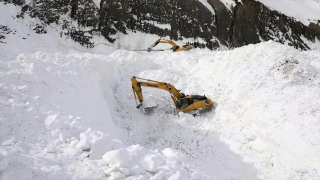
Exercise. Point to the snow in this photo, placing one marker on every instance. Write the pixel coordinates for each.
(305, 11)
(97, 3)
(229, 3)
(69, 113)
(207, 5)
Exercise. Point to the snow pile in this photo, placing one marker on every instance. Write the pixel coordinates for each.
(138, 162)
(42, 92)
(271, 94)
(74, 116)
(267, 98)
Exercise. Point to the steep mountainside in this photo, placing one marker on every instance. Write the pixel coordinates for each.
(244, 22)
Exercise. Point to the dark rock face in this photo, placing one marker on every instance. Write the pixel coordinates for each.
(315, 29)
(15, 2)
(249, 22)
(3, 31)
(254, 22)
(224, 21)
(187, 18)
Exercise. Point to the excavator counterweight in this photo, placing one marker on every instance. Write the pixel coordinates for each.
(184, 103)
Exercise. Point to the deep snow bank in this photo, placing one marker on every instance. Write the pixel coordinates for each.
(56, 121)
(60, 112)
(60, 93)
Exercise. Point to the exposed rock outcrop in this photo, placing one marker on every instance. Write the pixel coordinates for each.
(3, 31)
(248, 22)
(254, 22)
(183, 18)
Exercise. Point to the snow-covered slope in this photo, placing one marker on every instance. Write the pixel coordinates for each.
(267, 111)
(305, 11)
(72, 115)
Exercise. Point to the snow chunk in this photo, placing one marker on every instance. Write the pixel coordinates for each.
(110, 170)
(136, 170)
(50, 149)
(83, 156)
(74, 143)
(175, 176)
(117, 175)
(97, 142)
(53, 122)
(23, 88)
(151, 162)
(116, 157)
(4, 160)
(199, 175)
(83, 144)
(124, 171)
(174, 155)
(136, 158)
(10, 142)
(103, 145)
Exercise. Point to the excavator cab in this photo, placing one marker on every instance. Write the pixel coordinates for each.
(184, 102)
(175, 48)
(199, 97)
(187, 47)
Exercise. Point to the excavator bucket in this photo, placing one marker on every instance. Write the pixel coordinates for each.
(148, 106)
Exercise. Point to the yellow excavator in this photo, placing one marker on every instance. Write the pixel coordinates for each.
(175, 47)
(184, 103)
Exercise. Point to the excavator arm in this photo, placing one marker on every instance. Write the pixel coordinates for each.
(175, 47)
(182, 102)
(137, 91)
(164, 41)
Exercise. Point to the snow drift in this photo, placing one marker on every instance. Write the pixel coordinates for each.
(73, 115)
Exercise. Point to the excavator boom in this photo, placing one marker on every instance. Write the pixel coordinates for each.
(164, 41)
(137, 91)
(175, 47)
(183, 102)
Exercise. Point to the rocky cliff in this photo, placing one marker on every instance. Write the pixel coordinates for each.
(247, 22)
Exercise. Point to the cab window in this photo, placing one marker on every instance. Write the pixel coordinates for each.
(186, 102)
